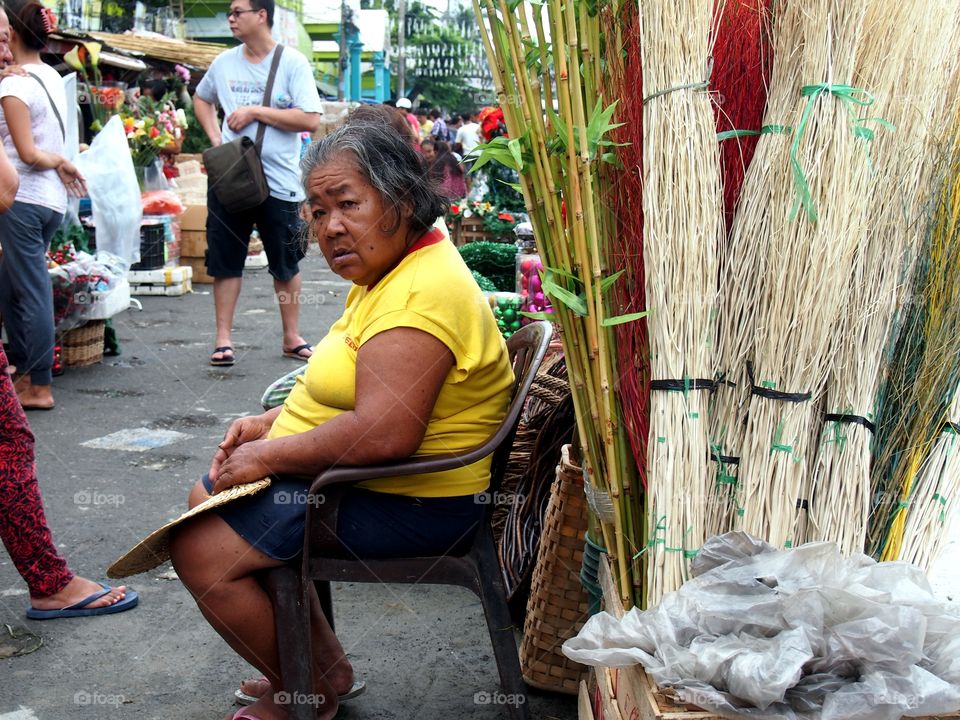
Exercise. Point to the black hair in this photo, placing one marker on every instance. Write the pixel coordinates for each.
(267, 5)
(388, 162)
(157, 88)
(27, 19)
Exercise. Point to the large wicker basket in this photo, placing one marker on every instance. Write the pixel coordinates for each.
(558, 604)
(83, 345)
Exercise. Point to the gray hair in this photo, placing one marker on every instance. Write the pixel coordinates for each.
(389, 163)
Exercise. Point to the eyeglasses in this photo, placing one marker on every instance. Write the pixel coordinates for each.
(234, 14)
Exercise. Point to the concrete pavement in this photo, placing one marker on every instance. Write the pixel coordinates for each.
(423, 651)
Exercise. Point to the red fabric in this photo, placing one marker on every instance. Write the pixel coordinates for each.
(23, 525)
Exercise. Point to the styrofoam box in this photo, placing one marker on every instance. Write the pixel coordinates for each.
(106, 305)
(162, 277)
(168, 290)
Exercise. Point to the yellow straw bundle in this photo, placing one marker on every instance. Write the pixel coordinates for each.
(817, 215)
(683, 215)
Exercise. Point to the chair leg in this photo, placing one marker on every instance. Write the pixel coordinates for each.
(292, 622)
(326, 600)
(500, 626)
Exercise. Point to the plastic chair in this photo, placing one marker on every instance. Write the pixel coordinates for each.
(477, 569)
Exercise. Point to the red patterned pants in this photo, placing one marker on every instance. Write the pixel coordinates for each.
(23, 526)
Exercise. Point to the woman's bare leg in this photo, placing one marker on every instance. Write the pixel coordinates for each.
(218, 567)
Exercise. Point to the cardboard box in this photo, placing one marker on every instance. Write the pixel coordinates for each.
(194, 218)
(193, 243)
(199, 269)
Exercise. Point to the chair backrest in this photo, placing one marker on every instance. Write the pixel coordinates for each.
(527, 348)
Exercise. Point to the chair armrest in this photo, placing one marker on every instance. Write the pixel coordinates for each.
(341, 474)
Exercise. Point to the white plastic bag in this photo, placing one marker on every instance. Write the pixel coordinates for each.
(114, 192)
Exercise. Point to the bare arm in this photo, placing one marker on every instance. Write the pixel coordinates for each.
(400, 373)
(18, 120)
(289, 119)
(18, 123)
(207, 117)
(9, 181)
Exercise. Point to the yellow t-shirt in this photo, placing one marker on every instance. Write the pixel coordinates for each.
(432, 290)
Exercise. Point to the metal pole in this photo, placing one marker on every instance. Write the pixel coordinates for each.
(341, 76)
(401, 51)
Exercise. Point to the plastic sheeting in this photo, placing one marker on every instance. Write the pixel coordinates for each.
(792, 634)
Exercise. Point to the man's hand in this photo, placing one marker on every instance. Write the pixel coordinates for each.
(241, 431)
(241, 117)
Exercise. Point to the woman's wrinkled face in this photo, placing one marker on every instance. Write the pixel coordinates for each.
(353, 224)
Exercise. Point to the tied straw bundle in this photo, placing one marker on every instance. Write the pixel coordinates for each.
(558, 155)
(683, 224)
(925, 369)
(934, 494)
(744, 272)
(817, 214)
(905, 71)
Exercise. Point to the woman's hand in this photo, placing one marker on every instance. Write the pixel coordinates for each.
(245, 464)
(241, 431)
(75, 183)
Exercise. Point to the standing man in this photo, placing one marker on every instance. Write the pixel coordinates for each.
(404, 105)
(236, 81)
(468, 134)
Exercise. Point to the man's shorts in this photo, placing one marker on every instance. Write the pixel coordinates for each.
(282, 231)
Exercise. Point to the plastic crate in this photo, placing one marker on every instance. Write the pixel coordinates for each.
(153, 247)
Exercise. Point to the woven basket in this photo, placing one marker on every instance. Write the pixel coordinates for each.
(83, 345)
(558, 604)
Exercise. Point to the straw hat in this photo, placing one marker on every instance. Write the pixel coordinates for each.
(155, 548)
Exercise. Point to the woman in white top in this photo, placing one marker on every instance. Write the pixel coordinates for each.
(32, 106)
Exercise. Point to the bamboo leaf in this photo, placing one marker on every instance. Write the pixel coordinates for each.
(537, 315)
(514, 4)
(514, 146)
(512, 185)
(608, 282)
(548, 271)
(576, 303)
(622, 319)
(498, 150)
(600, 125)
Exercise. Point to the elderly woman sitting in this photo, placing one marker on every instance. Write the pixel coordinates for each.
(415, 365)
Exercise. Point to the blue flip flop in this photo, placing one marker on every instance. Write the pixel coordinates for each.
(80, 609)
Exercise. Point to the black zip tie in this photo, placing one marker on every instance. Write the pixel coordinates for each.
(683, 385)
(771, 394)
(848, 418)
(803, 504)
(725, 459)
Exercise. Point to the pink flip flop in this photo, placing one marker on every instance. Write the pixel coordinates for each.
(357, 689)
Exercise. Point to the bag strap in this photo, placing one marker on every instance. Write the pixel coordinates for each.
(266, 93)
(53, 105)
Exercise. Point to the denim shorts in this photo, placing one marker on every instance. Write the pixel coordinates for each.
(282, 231)
(370, 524)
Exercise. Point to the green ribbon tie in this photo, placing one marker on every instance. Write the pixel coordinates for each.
(850, 96)
(943, 507)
